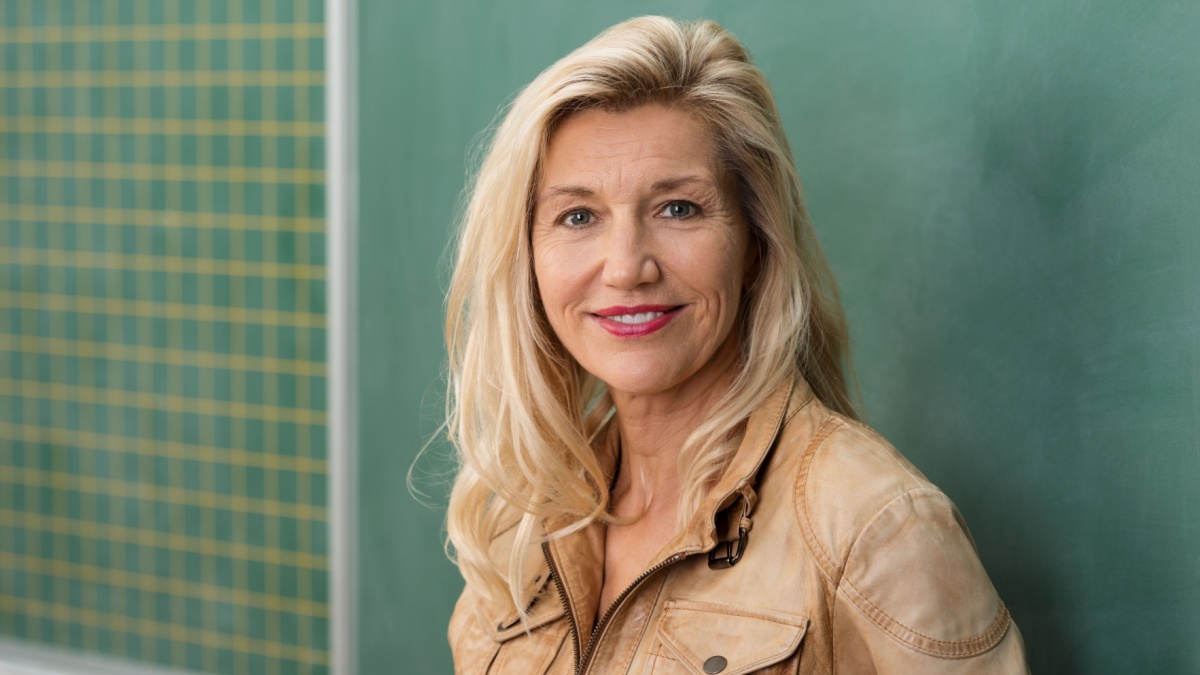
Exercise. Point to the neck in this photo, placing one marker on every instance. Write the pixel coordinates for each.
(653, 429)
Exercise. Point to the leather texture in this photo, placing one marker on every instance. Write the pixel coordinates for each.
(855, 564)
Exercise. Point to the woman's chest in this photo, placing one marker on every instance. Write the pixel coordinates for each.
(755, 617)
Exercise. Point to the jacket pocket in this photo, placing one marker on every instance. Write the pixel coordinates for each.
(529, 654)
(700, 638)
(529, 648)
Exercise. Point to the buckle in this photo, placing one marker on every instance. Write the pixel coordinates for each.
(728, 553)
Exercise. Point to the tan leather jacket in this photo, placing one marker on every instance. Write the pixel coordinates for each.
(854, 564)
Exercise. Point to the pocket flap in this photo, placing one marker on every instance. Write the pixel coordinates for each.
(544, 610)
(745, 637)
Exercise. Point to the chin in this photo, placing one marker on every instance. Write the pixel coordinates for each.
(640, 381)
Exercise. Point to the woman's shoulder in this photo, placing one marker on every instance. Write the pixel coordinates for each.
(893, 545)
(842, 467)
(848, 481)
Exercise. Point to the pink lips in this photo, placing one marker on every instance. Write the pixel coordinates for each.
(633, 330)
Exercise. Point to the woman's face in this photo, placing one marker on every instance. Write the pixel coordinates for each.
(640, 249)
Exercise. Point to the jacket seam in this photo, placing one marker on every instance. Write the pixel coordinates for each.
(756, 618)
(650, 620)
(800, 405)
(718, 612)
(986, 640)
(668, 639)
(838, 585)
(874, 517)
(832, 569)
(969, 647)
(824, 559)
(804, 521)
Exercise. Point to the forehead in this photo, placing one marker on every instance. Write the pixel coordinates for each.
(642, 142)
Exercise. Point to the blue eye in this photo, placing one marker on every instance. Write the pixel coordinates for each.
(577, 218)
(679, 210)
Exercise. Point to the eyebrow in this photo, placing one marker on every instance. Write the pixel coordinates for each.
(672, 183)
(569, 190)
(659, 186)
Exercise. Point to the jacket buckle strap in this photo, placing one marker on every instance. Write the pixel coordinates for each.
(729, 553)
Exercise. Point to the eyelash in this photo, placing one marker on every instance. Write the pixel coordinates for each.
(695, 211)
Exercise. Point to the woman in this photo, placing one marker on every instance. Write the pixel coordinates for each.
(661, 471)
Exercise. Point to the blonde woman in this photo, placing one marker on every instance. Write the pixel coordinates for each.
(661, 471)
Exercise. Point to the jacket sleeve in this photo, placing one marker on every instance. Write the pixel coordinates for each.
(914, 598)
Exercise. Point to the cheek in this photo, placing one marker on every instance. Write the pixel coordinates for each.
(738, 262)
(723, 275)
(721, 270)
(558, 281)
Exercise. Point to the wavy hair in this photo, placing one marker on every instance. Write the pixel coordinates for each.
(521, 413)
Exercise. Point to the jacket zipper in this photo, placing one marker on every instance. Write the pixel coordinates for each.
(562, 596)
(581, 663)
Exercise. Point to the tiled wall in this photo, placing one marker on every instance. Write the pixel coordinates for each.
(162, 331)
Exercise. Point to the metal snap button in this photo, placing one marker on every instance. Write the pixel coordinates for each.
(715, 664)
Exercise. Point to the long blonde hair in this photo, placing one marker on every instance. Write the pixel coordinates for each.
(521, 412)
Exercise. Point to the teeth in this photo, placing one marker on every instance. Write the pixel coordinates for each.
(636, 318)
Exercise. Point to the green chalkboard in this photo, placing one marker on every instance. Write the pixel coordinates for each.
(1007, 192)
(162, 332)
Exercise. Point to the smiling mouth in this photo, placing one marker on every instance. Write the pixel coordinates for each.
(635, 319)
(632, 322)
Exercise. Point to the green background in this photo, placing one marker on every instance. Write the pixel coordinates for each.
(1008, 193)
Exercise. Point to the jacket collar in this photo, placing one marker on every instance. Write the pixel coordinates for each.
(579, 557)
(737, 482)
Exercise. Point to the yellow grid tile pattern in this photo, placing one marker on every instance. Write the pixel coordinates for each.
(162, 331)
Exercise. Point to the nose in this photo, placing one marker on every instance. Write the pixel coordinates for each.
(629, 260)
